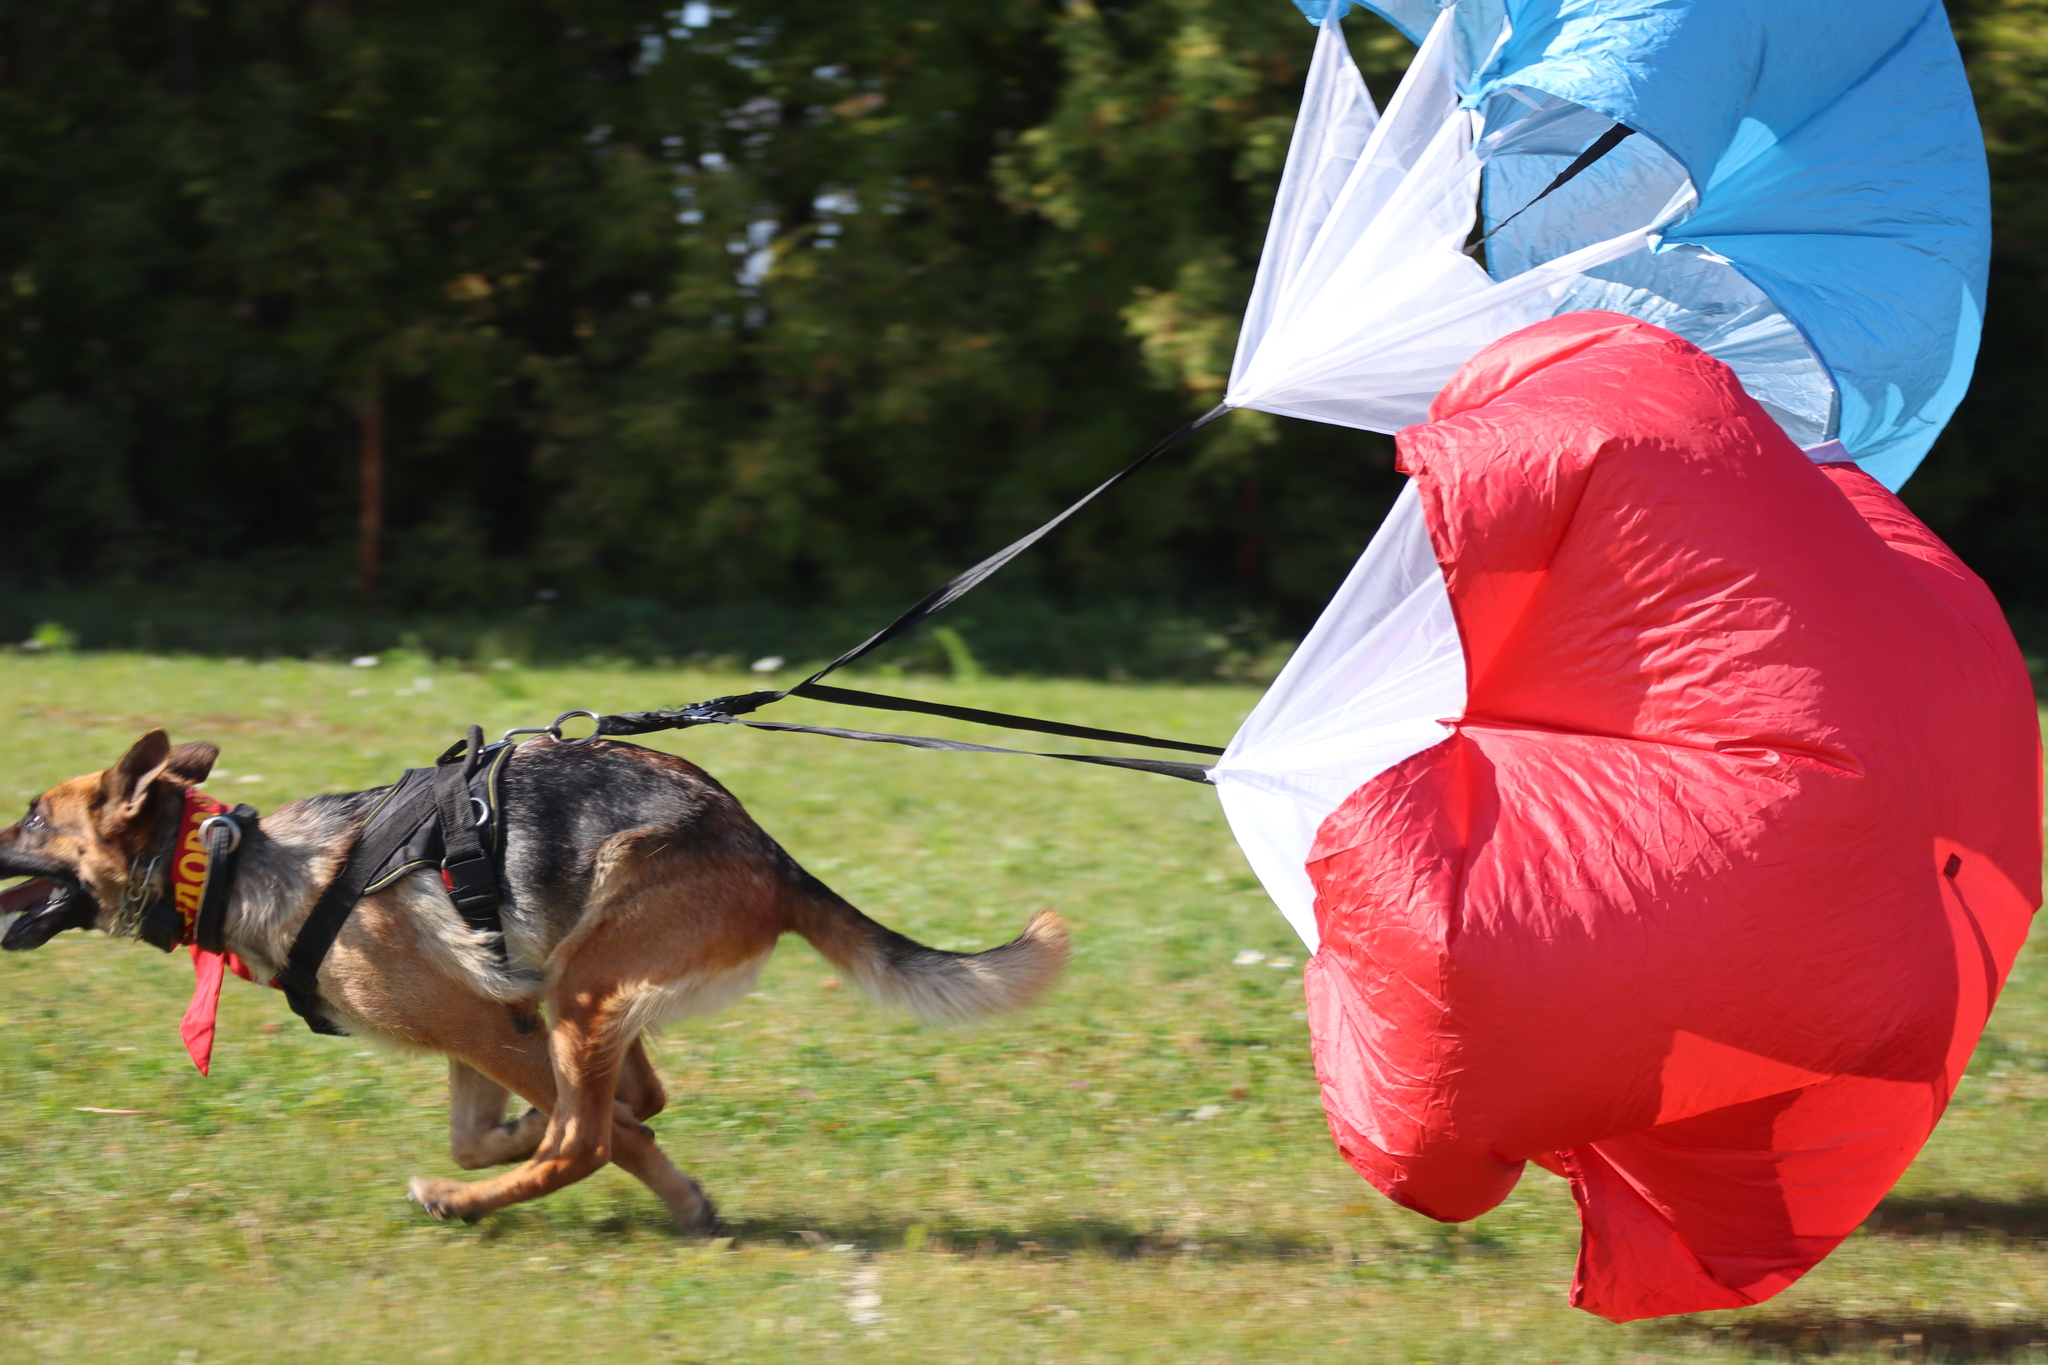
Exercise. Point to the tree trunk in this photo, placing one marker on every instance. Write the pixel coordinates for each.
(370, 527)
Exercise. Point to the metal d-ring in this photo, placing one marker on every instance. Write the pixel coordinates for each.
(548, 730)
(234, 830)
(554, 732)
(483, 812)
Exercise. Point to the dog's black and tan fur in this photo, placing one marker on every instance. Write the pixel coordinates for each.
(637, 891)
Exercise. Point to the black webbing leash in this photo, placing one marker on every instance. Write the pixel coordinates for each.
(963, 583)
(1191, 772)
(727, 710)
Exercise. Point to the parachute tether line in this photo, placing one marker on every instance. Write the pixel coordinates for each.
(1192, 772)
(728, 710)
(1602, 145)
(961, 584)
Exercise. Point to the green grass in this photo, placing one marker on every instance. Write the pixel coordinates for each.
(1138, 1171)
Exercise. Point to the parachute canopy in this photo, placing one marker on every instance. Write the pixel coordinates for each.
(1706, 896)
(1661, 798)
(1804, 197)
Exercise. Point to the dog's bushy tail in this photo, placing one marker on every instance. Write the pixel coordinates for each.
(935, 986)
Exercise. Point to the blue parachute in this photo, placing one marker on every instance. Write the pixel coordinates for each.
(1838, 167)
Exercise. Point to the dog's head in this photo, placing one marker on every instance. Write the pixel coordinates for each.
(83, 841)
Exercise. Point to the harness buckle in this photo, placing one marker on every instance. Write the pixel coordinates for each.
(470, 884)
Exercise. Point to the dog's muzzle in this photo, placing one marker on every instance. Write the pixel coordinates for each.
(41, 909)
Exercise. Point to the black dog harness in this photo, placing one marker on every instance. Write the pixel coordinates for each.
(445, 816)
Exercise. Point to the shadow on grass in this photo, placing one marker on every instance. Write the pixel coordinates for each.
(1960, 1215)
(1908, 1336)
(1052, 1236)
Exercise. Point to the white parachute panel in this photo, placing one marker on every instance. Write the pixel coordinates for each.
(1368, 688)
(1365, 303)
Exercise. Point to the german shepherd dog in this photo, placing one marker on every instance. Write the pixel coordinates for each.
(637, 891)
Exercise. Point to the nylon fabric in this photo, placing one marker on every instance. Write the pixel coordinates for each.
(1365, 303)
(1706, 893)
(385, 831)
(1810, 191)
(1369, 687)
(1839, 169)
(1187, 772)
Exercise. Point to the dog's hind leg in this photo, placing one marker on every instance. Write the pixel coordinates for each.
(664, 936)
(586, 1128)
(478, 1134)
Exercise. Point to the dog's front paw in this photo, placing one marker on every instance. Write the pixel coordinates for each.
(440, 1198)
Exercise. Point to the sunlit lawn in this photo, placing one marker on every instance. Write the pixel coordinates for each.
(1138, 1171)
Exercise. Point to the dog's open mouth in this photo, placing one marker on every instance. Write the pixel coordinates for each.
(41, 908)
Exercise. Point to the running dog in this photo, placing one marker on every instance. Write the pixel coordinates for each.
(637, 892)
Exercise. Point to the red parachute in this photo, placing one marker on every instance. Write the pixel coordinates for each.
(1703, 902)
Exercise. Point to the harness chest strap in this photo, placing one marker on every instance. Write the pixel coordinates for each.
(383, 834)
(446, 814)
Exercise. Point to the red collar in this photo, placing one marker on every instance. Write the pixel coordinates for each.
(189, 864)
(189, 859)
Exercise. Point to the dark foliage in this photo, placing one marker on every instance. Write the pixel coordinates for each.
(798, 305)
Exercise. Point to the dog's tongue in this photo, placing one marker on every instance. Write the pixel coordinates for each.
(30, 895)
(42, 910)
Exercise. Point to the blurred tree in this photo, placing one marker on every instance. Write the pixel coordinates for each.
(762, 299)
(222, 219)
(919, 242)
(799, 299)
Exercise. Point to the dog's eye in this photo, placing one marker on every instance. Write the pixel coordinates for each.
(33, 820)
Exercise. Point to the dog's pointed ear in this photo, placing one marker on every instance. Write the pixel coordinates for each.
(188, 764)
(125, 786)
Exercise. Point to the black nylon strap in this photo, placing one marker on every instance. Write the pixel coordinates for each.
(848, 697)
(643, 722)
(383, 834)
(1188, 772)
(159, 924)
(958, 586)
(223, 853)
(467, 867)
(451, 801)
(683, 717)
(724, 710)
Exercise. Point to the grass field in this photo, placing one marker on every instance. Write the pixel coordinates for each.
(1139, 1171)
